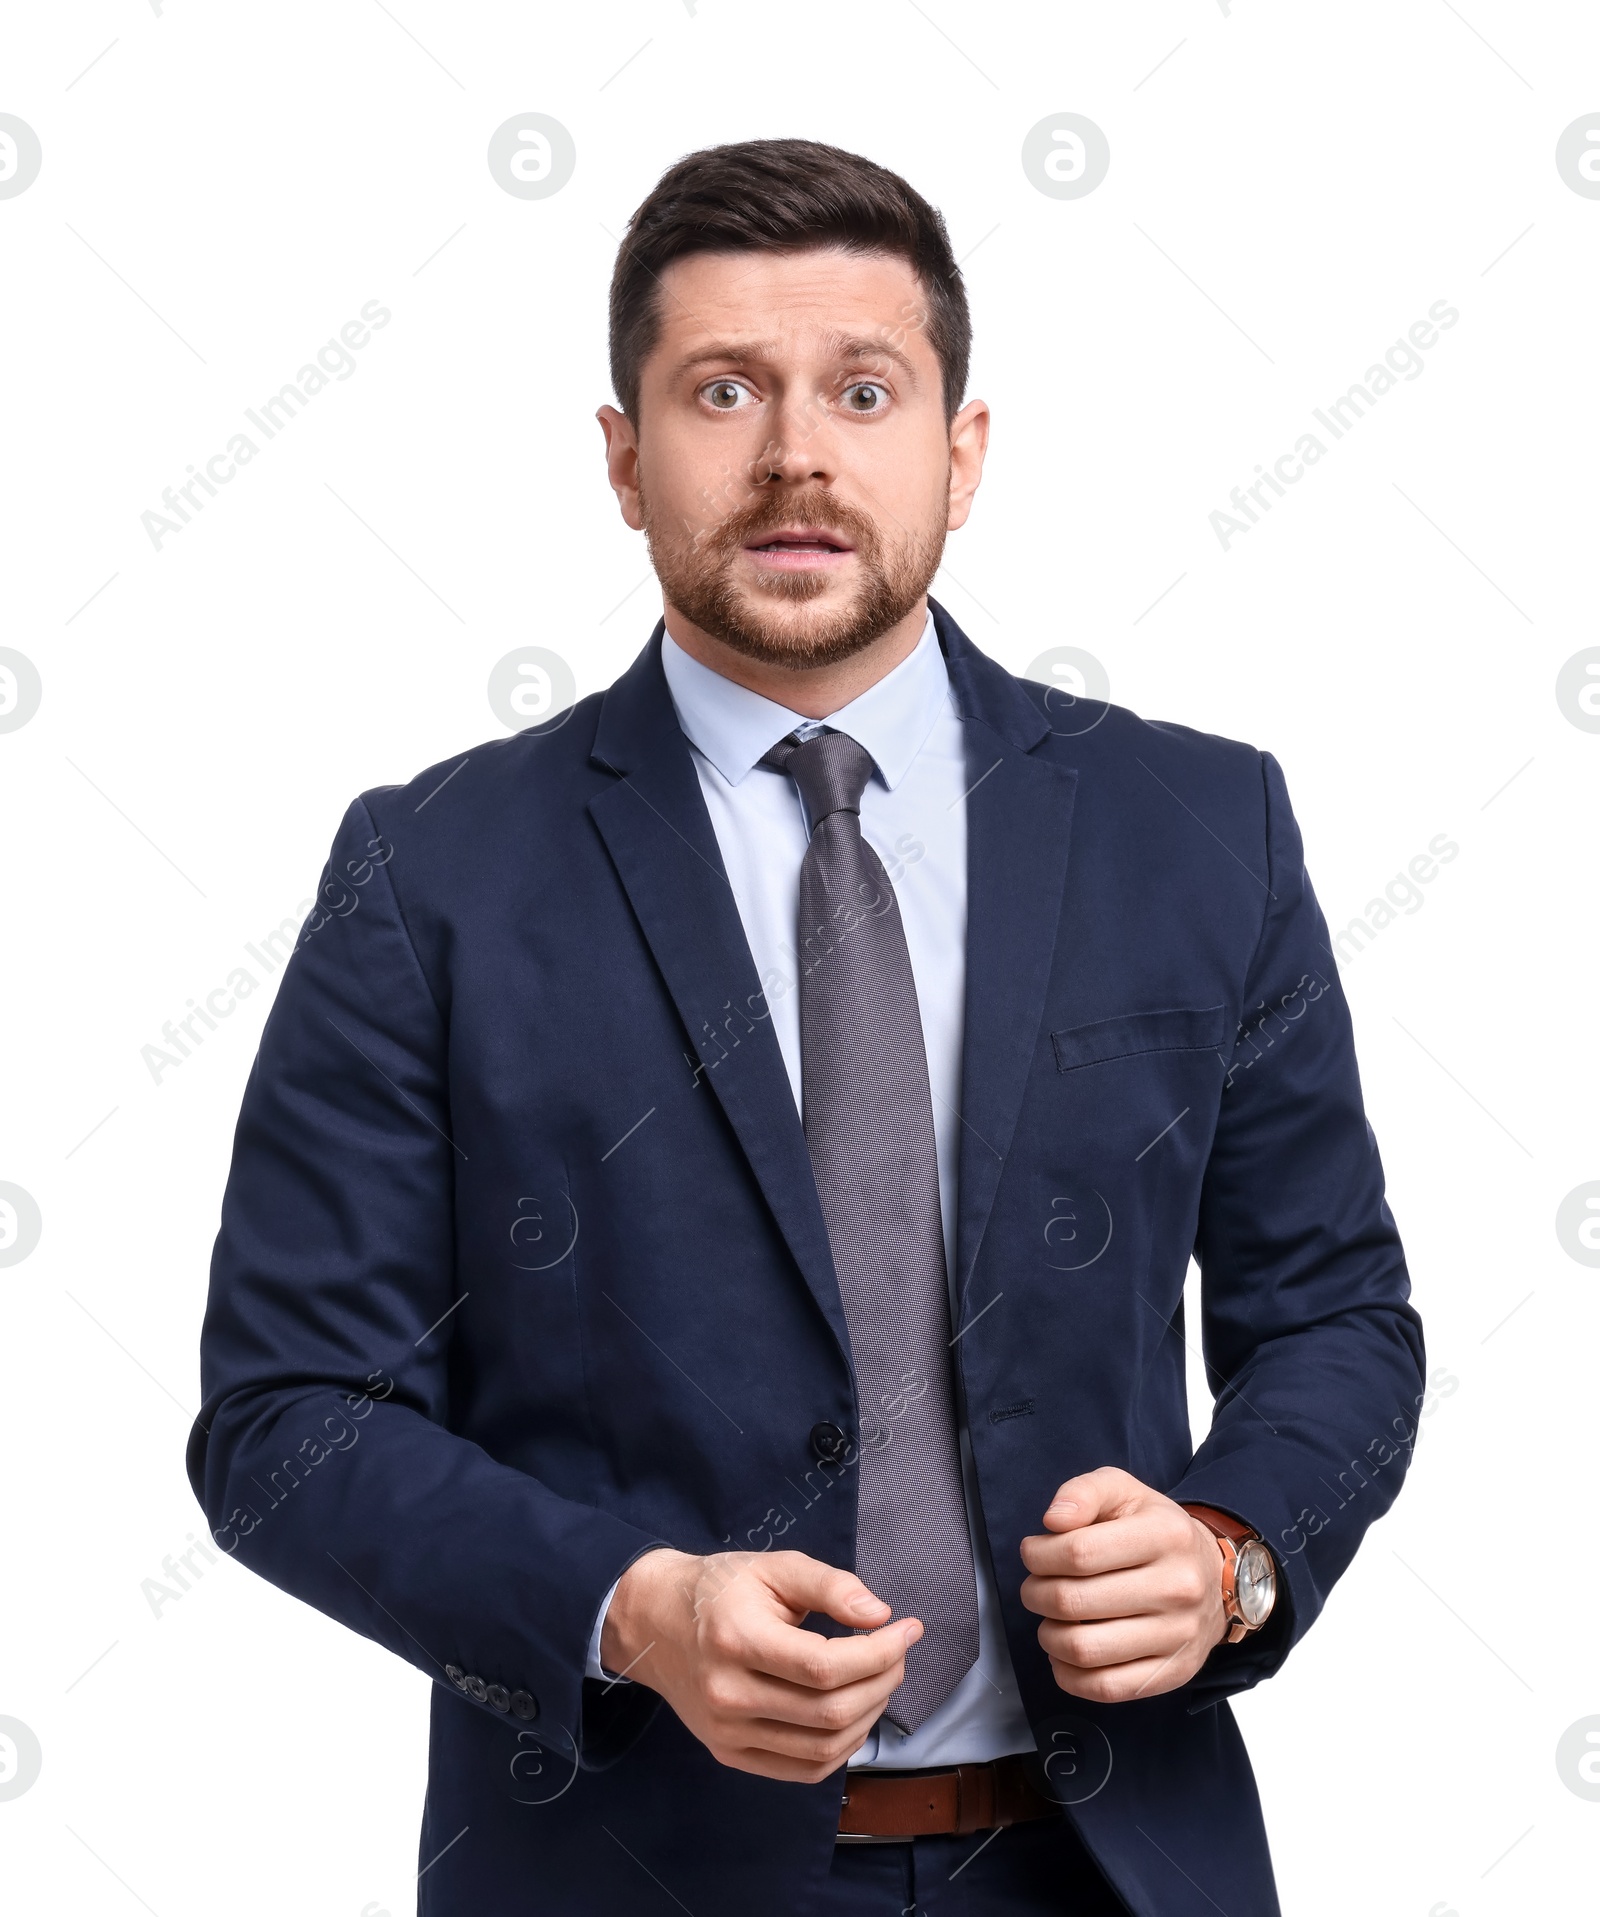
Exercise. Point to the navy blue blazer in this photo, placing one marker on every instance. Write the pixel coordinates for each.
(522, 1270)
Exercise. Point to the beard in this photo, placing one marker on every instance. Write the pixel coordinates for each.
(760, 620)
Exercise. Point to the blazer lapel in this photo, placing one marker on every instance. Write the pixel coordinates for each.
(659, 835)
(1019, 820)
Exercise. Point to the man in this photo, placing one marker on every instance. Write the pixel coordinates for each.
(702, 1271)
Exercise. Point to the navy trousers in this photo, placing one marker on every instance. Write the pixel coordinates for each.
(1024, 1870)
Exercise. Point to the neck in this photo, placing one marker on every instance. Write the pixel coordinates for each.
(814, 692)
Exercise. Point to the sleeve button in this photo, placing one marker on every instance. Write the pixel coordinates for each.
(524, 1705)
(456, 1675)
(477, 1688)
(499, 1697)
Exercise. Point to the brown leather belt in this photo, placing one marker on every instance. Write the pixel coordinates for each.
(891, 1805)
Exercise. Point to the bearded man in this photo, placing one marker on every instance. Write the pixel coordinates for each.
(702, 1272)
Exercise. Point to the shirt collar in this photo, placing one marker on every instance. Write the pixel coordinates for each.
(733, 727)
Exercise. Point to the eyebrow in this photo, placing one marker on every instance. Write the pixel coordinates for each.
(850, 348)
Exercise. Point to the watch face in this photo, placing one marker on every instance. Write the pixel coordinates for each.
(1255, 1583)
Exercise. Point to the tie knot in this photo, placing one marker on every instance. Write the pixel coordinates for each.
(830, 769)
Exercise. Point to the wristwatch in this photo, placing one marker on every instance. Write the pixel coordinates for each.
(1249, 1577)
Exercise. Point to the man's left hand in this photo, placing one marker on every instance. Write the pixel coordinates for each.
(1129, 1586)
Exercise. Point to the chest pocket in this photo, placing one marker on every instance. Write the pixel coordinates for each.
(1139, 1034)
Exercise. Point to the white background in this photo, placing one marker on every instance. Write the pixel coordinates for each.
(1288, 192)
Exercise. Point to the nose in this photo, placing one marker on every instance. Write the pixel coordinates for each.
(800, 451)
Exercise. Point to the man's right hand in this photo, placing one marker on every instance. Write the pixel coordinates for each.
(719, 1637)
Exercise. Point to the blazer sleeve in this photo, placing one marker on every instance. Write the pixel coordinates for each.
(1311, 1347)
(323, 1454)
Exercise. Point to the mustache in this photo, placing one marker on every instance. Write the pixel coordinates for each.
(772, 512)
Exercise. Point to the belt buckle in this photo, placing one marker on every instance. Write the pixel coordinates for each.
(940, 1771)
(863, 1837)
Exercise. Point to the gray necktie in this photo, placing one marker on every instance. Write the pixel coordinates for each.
(869, 1129)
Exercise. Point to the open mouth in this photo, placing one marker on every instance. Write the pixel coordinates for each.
(799, 546)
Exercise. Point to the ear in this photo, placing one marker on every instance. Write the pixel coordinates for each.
(622, 463)
(969, 441)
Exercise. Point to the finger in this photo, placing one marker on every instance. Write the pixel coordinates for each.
(1116, 1544)
(1089, 1498)
(753, 1695)
(822, 1663)
(806, 1584)
(763, 1763)
(1096, 1647)
(1123, 1683)
(827, 1747)
(1135, 1593)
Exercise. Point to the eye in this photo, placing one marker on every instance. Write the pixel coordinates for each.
(726, 395)
(866, 396)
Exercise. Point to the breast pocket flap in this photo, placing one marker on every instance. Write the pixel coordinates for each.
(1135, 1034)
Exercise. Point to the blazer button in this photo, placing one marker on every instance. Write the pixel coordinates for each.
(456, 1675)
(477, 1688)
(499, 1697)
(524, 1705)
(827, 1442)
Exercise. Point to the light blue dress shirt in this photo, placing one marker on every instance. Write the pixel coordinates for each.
(913, 814)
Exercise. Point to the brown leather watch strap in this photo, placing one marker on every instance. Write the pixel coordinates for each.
(1233, 1529)
(1232, 1536)
(941, 1803)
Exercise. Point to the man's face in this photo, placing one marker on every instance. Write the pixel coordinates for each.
(791, 463)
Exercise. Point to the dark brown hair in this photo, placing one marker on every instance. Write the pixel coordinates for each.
(782, 196)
